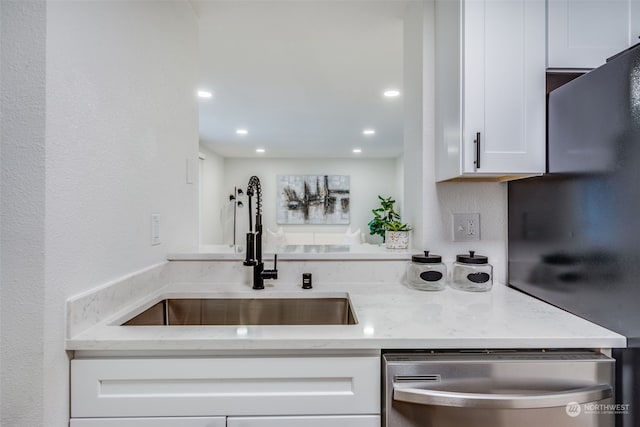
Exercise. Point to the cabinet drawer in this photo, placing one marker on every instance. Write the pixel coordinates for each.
(150, 422)
(316, 421)
(224, 386)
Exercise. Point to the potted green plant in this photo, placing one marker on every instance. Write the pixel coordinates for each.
(386, 223)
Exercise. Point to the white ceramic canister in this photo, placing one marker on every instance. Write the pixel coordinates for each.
(426, 272)
(472, 272)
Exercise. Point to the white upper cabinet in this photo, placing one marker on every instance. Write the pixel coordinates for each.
(584, 33)
(490, 88)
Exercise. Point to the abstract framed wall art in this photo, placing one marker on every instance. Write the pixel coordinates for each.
(313, 199)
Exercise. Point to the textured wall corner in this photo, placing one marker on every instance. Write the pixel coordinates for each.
(22, 210)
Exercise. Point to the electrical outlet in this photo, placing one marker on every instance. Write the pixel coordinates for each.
(466, 227)
(155, 229)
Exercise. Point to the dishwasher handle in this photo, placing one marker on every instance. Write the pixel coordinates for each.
(502, 401)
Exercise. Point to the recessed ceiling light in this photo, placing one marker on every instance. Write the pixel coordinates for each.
(204, 94)
(260, 150)
(357, 150)
(242, 131)
(391, 93)
(368, 132)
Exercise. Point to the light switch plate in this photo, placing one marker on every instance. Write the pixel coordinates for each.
(466, 227)
(155, 229)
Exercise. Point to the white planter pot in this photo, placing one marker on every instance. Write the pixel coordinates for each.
(396, 239)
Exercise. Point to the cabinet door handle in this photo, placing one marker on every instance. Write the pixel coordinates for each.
(476, 162)
(503, 401)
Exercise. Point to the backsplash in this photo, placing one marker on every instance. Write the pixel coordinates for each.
(289, 271)
(96, 304)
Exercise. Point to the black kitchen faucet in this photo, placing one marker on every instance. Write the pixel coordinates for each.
(254, 239)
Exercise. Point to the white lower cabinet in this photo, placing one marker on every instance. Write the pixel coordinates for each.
(244, 391)
(150, 422)
(308, 421)
(311, 421)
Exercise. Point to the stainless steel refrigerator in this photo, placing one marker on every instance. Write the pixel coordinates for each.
(574, 233)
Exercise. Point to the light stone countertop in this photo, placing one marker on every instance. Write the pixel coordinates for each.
(390, 316)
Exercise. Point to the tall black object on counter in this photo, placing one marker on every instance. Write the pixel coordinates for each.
(254, 239)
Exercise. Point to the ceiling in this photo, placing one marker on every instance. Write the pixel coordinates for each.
(303, 77)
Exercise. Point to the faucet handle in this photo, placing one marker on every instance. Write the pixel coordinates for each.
(273, 273)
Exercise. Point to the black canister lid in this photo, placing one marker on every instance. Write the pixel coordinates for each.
(472, 258)
(426, 258)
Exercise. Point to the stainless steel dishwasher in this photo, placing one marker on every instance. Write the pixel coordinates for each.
(498, 388)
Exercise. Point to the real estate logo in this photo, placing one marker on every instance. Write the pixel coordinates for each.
(573, 409)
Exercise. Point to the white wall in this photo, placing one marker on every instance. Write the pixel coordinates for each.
(22, 215)
(414, 89)
(1, 212)
(213, 197)
(121, 122)
(369, 178)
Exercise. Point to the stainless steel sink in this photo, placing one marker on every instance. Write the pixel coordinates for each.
(246, 311)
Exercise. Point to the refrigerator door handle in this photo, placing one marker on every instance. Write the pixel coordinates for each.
(476, 162)
(502, 401)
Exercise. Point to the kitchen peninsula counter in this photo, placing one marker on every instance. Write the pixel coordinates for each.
(389, 316)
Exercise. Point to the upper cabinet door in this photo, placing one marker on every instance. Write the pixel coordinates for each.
(490, 88)
(584, 33)
(504, 86)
